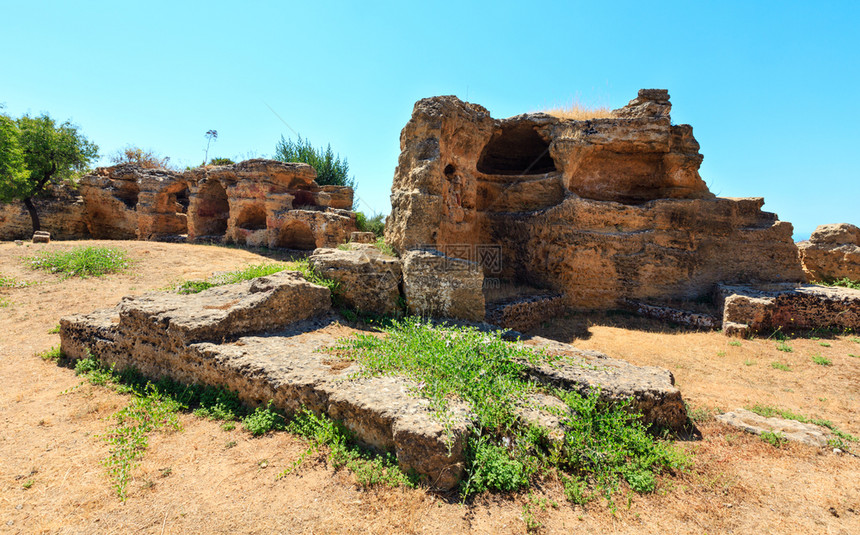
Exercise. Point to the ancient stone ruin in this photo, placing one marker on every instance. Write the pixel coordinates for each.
(256, 202)
(597, 211)
(265, 339)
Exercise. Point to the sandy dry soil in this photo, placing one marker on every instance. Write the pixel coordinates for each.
(203, 479)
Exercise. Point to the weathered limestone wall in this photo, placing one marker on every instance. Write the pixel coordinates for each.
(601, 209)
(256, 202)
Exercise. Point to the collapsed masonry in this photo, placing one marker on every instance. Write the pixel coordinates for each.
(597, 211)
(256, 202)
(264, 339)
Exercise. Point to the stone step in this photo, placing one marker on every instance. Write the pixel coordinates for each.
(525, 312)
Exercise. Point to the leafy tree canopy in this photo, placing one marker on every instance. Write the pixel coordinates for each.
(331, 170)
(50, 153)
(14, 175)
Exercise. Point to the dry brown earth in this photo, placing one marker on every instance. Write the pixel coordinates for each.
(224, 481)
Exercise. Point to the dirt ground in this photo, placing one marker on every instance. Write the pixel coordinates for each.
(203, 479)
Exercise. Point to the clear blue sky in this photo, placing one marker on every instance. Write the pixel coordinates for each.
(772, 89)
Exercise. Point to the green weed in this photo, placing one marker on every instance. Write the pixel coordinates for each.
(774, 439)
(27, 484)
(82, 261)
(55, 329)
(780, 366)
(749, 362)
(783, 346)
(602, 442)
(821, 361)
(721, 353)
(369, 470)
(855, 340)
(824, 344)
(9, 282)
(54, 354)
(845, 282)
(735, 343)
(263, 420)
(852, 355)
(311, 275)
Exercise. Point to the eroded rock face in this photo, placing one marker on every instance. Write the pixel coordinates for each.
(256, 202)
(599, 210)
(369, 280)
(832, 252)
(438, 285)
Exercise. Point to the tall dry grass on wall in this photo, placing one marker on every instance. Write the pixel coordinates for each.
(578, 111)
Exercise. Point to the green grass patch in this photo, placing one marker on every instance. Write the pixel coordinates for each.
(82, 262)
(844, 282)
(252, 271)
(55, 329)
(769, 411)
(852, 355)
(602, 444)
(776, 365)
(783, 346)
(824, 344)
(855, 340)
(821, 361)
(735, 343)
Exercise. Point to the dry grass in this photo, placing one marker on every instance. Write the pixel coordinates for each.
(578, 111)
(217, 482)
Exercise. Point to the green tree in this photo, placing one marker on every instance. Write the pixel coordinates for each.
(331, 170)
(13, 172)
(51, 153)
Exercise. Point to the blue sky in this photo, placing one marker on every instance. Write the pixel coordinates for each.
(772, 89)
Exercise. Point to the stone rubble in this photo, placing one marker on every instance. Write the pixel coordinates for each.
(598, 210)
(809, 434)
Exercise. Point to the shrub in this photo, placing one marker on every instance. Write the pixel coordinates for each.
(331, 170)
(145, 158)
(221, 161)
(374, 224)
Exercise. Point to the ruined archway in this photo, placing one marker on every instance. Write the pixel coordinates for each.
(296, 235)
(517, 150)
(252, 218)
(212, 210)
